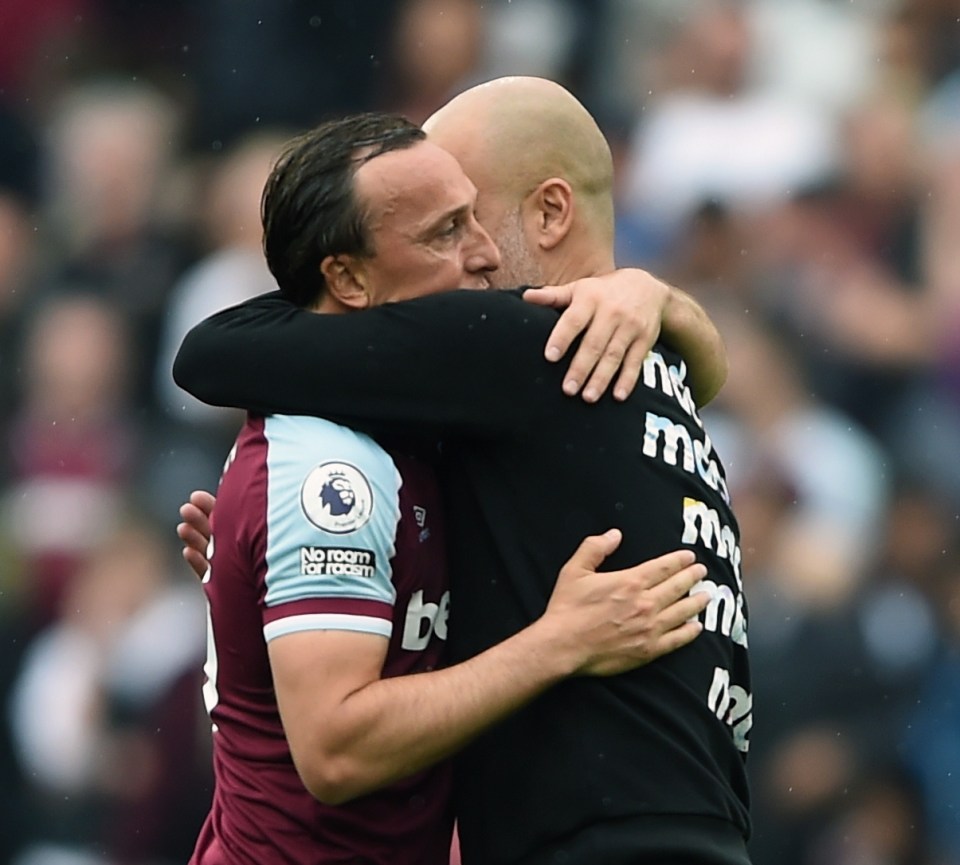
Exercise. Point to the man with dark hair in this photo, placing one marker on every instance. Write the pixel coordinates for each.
(327, 584)
(309, 203)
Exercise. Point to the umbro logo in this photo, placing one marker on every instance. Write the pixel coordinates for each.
(420, 515)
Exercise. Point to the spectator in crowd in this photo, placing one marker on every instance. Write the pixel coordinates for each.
(826, 756)
(929, 739)
(289, 64)
(436, 49)
(706, 132)
(105, 712)
(107, 187)
(824, 549)
(71, 443)
(191, 437)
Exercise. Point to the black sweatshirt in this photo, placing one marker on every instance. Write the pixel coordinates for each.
(527, 473)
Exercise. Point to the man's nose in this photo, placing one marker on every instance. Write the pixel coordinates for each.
(483, 253)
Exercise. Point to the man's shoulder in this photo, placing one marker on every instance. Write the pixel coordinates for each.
(508, 300)
(308, 436)
(472, 307)
(269, 302)
(482, 311)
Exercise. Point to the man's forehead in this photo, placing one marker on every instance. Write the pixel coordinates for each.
(421, 180)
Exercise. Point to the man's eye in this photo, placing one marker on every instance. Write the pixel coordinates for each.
(451, 229)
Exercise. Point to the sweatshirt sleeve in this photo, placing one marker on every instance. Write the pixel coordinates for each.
(460, 362)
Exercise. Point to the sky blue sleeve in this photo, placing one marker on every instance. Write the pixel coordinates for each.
(332, 515)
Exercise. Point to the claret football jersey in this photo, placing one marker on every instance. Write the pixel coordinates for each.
(317, 527)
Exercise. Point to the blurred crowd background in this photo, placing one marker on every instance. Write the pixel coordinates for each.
(795, 164)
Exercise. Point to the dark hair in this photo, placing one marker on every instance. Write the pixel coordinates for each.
(309, 206)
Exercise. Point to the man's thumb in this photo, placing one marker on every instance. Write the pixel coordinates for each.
(595, 548)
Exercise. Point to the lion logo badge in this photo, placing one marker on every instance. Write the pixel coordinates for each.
(337, 498)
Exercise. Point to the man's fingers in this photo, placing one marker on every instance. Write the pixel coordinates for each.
(556, 296)
(191, 537)
(684, 610)
(630, 371)
(571, 323)
(203, 500)
(196, 561)
(677, 638)
(196, 517)
(192, 511)
(678, 584)
(569, 326)
(596, 341)
(656, 571)
(591, 552)
(606, 367)
(194, 531)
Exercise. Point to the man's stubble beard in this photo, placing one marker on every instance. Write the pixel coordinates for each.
(518, 266)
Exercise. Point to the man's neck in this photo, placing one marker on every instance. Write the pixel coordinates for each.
(328, 305)
(579, 262)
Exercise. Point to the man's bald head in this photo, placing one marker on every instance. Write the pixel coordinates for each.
(513, 134)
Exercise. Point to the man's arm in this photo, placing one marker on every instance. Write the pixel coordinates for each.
(688, 330)
(462, 362)
(351, 732)
(465, 362)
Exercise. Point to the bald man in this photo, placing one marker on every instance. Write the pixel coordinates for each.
(497, 133)
(646, 767)
(544, 177)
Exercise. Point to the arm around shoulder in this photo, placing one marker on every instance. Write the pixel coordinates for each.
(351, 732)
(456, 362)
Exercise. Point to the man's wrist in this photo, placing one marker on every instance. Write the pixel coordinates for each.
(553, 648)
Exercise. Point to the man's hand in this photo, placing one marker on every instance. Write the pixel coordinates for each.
(613, 622)
(194, 531)
(619, 315)
(623, 314)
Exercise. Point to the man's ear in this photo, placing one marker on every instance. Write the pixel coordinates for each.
(346, 281)
(552, 211)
